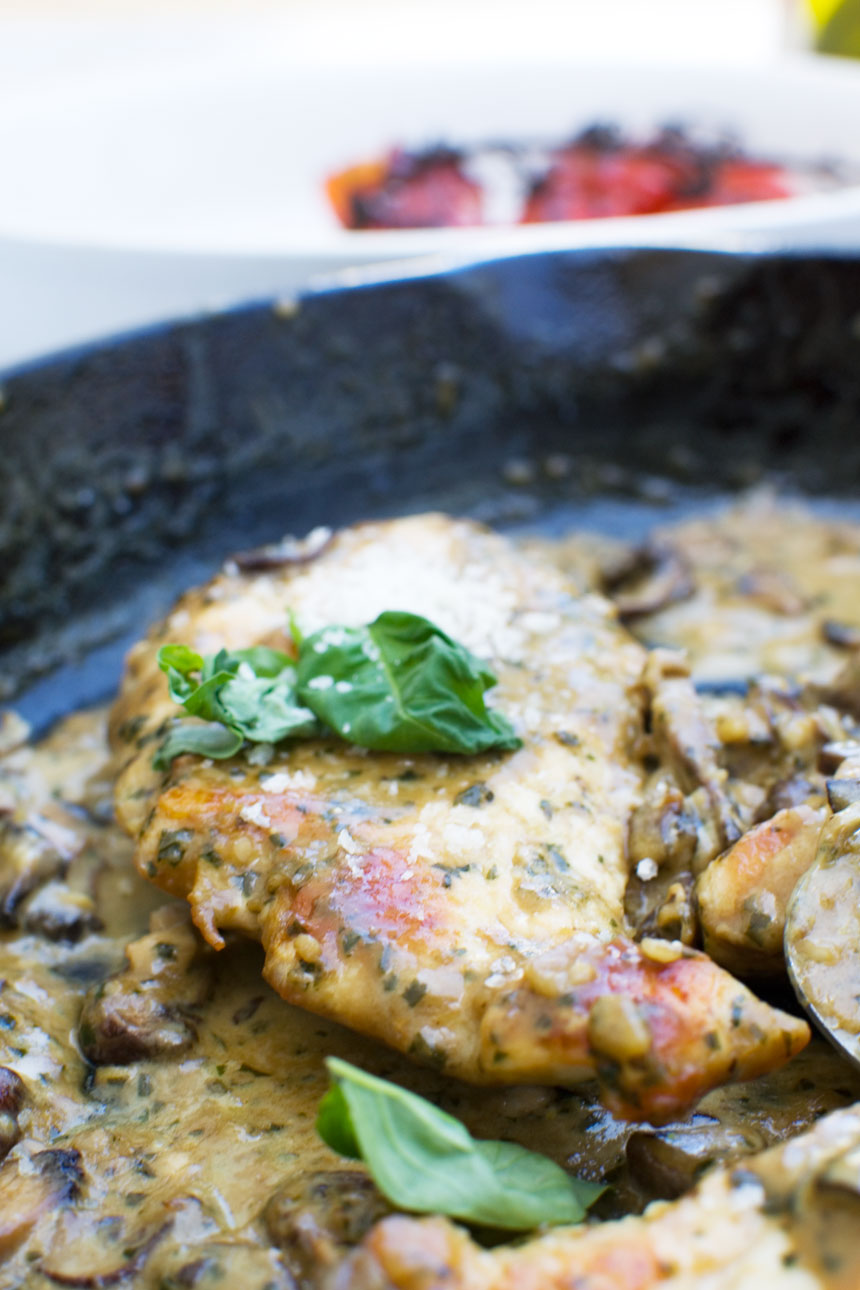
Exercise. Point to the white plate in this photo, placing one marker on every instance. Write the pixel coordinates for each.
(230, 157)
(184, 184)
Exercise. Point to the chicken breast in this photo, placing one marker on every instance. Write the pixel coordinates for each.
(786, 1219)
(466, 910)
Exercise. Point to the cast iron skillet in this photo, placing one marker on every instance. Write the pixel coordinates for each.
(607, 388)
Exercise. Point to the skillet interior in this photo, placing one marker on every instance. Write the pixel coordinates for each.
(586, 388)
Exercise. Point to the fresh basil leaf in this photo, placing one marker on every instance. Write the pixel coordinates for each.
(401, 685)
(211, 740)
(215, 663)
(535, 1176)
(263, 661)
(296, 633)
(249, 693)
(424, 1160)
(204, 701)
(179, 662)
(265, 711)
(334, 1124)
(180, 658)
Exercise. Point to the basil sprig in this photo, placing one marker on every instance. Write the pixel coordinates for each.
(398, 685)
(424, 1160)
(247, 694)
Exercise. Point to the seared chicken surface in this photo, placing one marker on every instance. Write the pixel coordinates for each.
(468, 911)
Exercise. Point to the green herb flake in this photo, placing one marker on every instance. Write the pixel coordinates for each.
(172, 844)
(476, 795)
(414, 993)
(349, 941)
(451, 871)
(426, 1161)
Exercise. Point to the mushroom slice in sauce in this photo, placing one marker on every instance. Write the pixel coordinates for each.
(147, 1009)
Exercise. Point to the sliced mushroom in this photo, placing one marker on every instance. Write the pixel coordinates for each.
(774, 590)
(147, 1009)
(28, 1189)
(740, 1120)
(842, 635)
(662, 840)
(84, 1261)
(32, 851)
(795, 790)
(316, 1219)
(224, 1265)
(843, 788)
(12, 1095)
(686, 742)
(290, 550)
(654, 577)
(742, 897)
(667, 1162)
(844, 691)
(59, 913)
(834, 754)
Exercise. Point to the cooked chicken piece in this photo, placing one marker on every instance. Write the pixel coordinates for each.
(821, 935)
(743, 896)
(467, 910)
(785, 1219)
